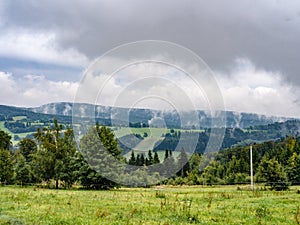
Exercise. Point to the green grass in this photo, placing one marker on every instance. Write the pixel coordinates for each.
(158, 205)
(2, 127)
(154, 132)
(147, 144)
(16, 118)
(154, 135)
(21, 135)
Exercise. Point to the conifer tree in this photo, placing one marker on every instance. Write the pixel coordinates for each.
(142, 163)
(100, 150)
(6, 166)
(22, 170)
(156, 159)
(5, 140)
(169, 165)
(166, 154)
(183, 164)
(132, 160)
(293, 168)
(27, 147)
(150, 158)
(56, 147)
(272, 173)
(138, 160)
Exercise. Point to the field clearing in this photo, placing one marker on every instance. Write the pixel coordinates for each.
(151, 131)
(16, 118)
(147, 144)
(154, 135)
(154, 132)
(21, 135)
(157, 205)
(2, 127)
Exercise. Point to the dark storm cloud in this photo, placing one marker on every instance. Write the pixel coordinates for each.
(267, 32)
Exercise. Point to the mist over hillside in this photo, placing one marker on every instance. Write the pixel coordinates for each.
(171, 119)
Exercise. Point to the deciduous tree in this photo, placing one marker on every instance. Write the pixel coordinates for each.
(272, 173)
(56, 148)
(6, 166)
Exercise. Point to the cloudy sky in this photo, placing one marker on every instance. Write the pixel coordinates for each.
(253, 47)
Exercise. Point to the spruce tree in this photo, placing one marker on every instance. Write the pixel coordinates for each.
(183, 164)
(142, 163)
(138, 160)
(150, 158)
(108, 140)
(6, 167)
(166, 154)
(100, 150)
(22, 170)
(132, 160)
(27, 147)
(169, 165)
(156, 159)
(147, 162)
(293, 168)
(5, 140)
(56, 147)
(271, 172)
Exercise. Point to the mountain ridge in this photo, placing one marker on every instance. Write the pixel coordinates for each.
(242, 128)
(140, 115)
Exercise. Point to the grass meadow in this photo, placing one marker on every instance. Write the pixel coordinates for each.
(158, 205)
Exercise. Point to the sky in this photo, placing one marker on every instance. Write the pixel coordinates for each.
(251, 46)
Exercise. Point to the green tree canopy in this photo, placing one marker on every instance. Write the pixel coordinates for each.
(56, 148)
(272, 173)
(22, 170)
(27, 147)
(100, 150)
(5, 140)
(183, 164)
(6, 166)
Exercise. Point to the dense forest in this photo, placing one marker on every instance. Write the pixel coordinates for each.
(51, 158)
(232, 136)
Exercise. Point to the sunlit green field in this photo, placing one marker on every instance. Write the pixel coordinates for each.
(152, 132)
(157, 205)
(2, 127)
(21, 135)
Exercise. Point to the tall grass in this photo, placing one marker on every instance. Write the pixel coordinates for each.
(163, 205)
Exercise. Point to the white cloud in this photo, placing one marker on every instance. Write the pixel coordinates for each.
(245, 88)
(32, 90)
(38, 46)
(249, 89)
(148, 85)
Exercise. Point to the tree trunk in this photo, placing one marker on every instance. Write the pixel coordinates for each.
(56, 184)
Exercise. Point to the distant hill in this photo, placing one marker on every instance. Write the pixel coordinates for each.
(232, 136)
(8, 112)
(242, 128)
(171, 118)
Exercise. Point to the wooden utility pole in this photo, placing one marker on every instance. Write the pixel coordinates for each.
(251, 168)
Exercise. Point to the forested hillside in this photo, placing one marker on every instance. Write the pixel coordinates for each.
(274, 162)
(138, 116)
(22, 123)
(52, 157)
(232, 136)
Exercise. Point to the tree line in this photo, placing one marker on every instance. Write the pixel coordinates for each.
(275, 163)
(52, 158)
